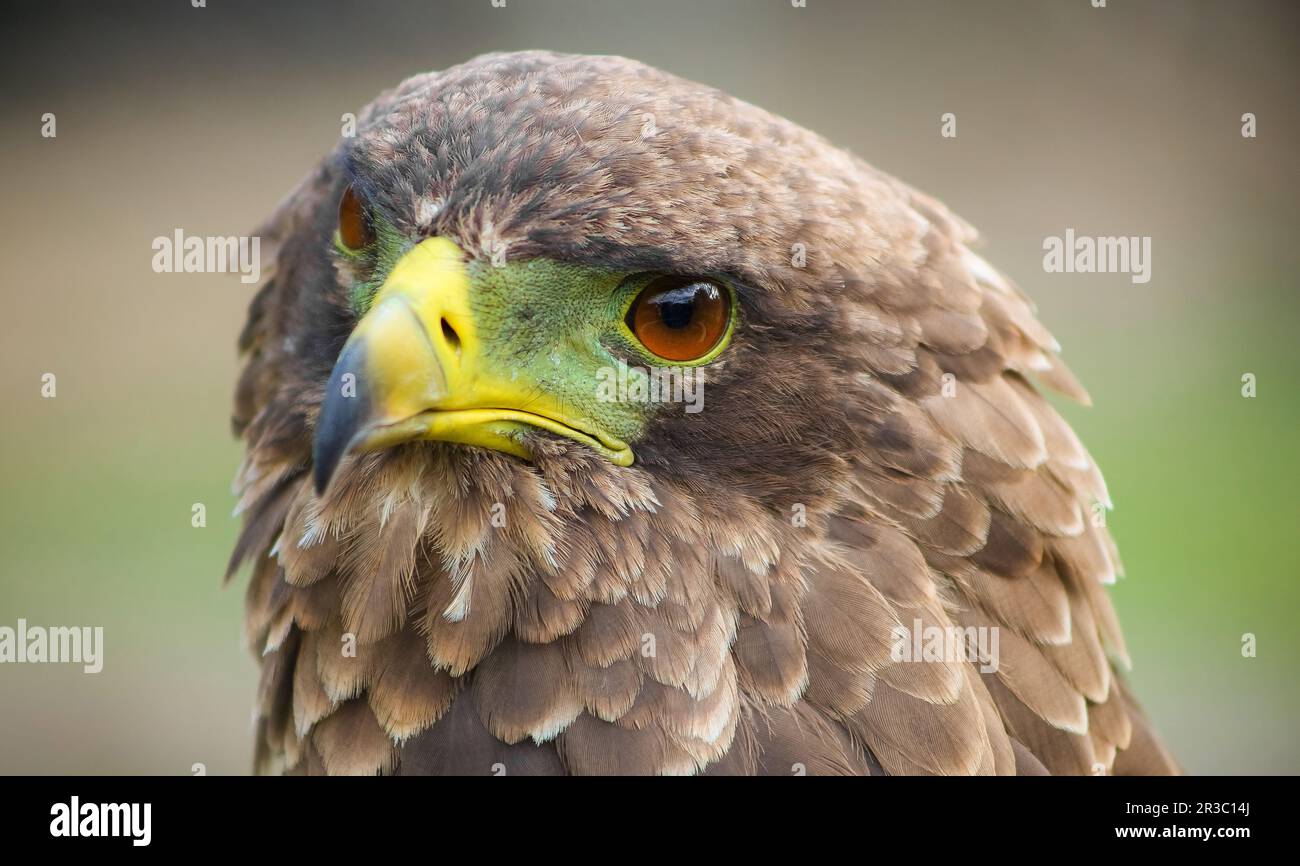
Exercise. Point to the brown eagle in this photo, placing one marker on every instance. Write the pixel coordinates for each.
(601, 423)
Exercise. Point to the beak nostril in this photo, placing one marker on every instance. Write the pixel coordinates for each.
(449, 334)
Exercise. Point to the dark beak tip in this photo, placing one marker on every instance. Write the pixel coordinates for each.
(327, 454)
(342, 416)
(322, 474)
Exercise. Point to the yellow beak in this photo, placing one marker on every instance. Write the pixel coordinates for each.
(415, 367)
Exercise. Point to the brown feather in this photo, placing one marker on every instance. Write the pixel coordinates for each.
(1035, 605)
(525, 690)
(459, 745)
(911, 736)
(408, 694)
(991, 418)
(310, 702)
(351, 742)
(380, 562)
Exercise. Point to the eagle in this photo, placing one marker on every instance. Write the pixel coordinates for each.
(488, 533)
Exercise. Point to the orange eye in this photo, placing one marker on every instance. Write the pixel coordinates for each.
(355, 229)
(680, 318)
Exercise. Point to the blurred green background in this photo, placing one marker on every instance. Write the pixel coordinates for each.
(1115, 121)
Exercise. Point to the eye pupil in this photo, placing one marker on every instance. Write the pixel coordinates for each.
(680, 318)
(676, 314)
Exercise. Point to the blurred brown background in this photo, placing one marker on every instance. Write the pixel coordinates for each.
(1115, 121)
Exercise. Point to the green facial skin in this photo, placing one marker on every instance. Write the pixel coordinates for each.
(551, 326)
(376, 260)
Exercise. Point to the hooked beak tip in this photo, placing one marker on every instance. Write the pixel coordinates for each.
(323, 472)
(343, 414)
